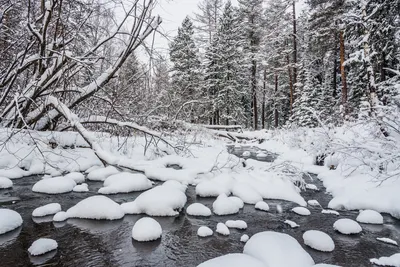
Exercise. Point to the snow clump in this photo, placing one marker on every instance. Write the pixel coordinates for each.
(370, 216)
(225, 205)
(238, 224)
(261, 205)
(81, 188)
(347, 226)
(301, 211)
(57, 185)
(5, 183)
(204, 231)
(42, 246)
(45, 210)
(125, 182)
(146, 229)
(222, 229)
(318, 240)
(233, 260)
(97, 208)
(393, 260)
(244, 238)
(198, 209)
(9, 220)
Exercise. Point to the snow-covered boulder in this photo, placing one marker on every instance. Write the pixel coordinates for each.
(301, 211)
(387, 240)
(57, 185)
(204, 231)
(198, 209)
(97, 208)
(313, 203)
(221, 184)
(277, 250)
(334, 212)
(291, 223)
(233, 260)
(225, 205)
(125, 182)
(42, 246)
(261, 205)
(237, 201)
(222, 229)
(163, 200)
(95, 167)
(347, 226)
(261, 155)
(81, 188)
(60, 216)
(246, 193)
(146, 229)
(76, 176)
(246, 154)
(5, 183)
(45, 210)
(318, 240)
(393, 260)
(325, 265)
(312, 187)
(176, 185)
(238, 224)
(244, 238)
(9, 220)
(370, 216)
(101, 174)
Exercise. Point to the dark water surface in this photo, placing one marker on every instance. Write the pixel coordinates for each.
(109, 243)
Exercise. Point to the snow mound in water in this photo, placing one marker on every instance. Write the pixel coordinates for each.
(81, 188)
(233, 260)
(347, 226)
(101, 174)
(313, 203)
(370, 216)
(9, 220)
(204, 231)
(76, 176)
(95, 167)
(221, 184)
(246, 193)
(176, 185)
(42, 246)
(325, 265)
(334, 212)
(125, 182)
(246, 154)
(60, 216)
(393, 260)
(291, 223)
(163, 200)
(146, 229)
(222, 229)
(387, 240)
(198, 209)
(301, 211)
(238, 224)
(57, 185)
(318, 240)
(261, 155)
(225, 205)
(5, 183)
(244, 238)
(312, 187)
(97, 208)
(261, 205)
(237, 201)
(273, 249)
(45, 210)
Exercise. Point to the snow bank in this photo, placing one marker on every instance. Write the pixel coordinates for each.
(347, 226)
(198, 209)
(244, 238)
(125, 182)
(291, 223)
(5, 183)
(204, 231)
(60, 216)
(370, 216)
(9, 220)
(238, 224)
(301, 211)
(146, 229)
(261, 205)
(222, 229)
(81, 188)
(221, 184)
(233, 260)
(97, 208)
(387, 240)
(318, 240)
(277, 250)
(225, 205)
(57, 185)
(246, 193)
(334, 212)
(101, 174)
(45, 210)
(163, 200)
(76, 176)
(393, 260)
(42, 246)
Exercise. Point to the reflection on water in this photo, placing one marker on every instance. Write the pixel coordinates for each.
(95, 226)
(9, 237)
(39, 260)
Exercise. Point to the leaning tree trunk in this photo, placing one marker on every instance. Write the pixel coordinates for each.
(343, 72)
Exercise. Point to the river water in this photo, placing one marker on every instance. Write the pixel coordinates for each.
(109, 243)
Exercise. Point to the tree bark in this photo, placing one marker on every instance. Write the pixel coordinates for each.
(294, 47)
(263, 100)
(290, 83)
(254, 93)
(343, 72)
(275, 102)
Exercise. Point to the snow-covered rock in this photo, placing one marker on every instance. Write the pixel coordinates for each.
(45, 210)
(313, 203)
(277, 250)
(176, 185)
(334, 212)
(312, 187)
(5, 183)
(222, 229)
(246, 154)
(225, 205)
(393, 260)
(60, 216)
(204, 231)
(163, 200)
(237, 201)
(95, 167)
(198, 209)
(370, 216)
(146, 229)
(97, 208)
(291, 223)
(233, 260)
(101, 174)
(81, 188)
(261, 155)
(347, 226)
(325, 265)
(125, 182)
(318, 240)
(244, 238)
(42, 246)
(221, 184)
(261, 205)
(387, 240)
(246, 193)
(76, 176)
(238, 224)
(301, 211)
(9, 220)
(57, 185)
